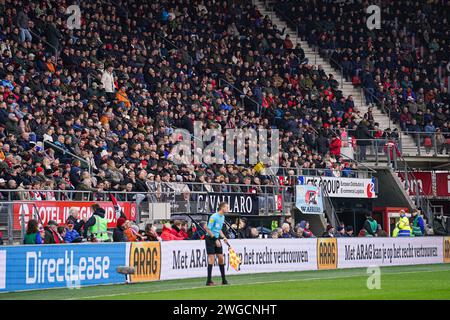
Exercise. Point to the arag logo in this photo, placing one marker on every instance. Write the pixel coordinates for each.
(327, 254)
(145, 258)
(446, 249)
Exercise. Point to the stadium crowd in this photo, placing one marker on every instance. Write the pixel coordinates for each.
(119, 86)
(403, 67)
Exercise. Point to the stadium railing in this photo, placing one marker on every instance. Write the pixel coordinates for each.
(66, 152)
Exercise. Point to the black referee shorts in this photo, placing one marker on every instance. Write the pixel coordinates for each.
(211, 247)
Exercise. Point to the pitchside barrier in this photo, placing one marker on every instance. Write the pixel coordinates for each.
(77, 265)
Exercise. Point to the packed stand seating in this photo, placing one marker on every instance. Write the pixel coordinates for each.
(122, 83)
(403, 67)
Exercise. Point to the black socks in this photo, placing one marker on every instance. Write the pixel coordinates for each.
(210, 266)
(222, 271)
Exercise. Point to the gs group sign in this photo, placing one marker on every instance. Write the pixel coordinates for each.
(145, 258)
(327, 253)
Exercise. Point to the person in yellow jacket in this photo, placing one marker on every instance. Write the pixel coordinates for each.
(404, 228)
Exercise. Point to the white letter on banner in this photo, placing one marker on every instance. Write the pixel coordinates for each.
(74, 21)
(374, 280)
(374, 21)
(31, 256)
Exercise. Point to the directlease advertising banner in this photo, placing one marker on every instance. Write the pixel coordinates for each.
(33, 267)
(188, 259)
(308, 199)
(342, 187)
(364, 252)
(59, 211)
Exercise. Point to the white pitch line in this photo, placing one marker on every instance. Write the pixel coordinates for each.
(242, 284)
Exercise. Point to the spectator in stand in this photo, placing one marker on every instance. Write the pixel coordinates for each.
(335, 146)
(307, 233)
(274, 235)
(131, 232)
(33, 235)
(348, 232)
(329, 232)
(363, 137)
(199, 233)
(167, 233)
(286, 230)
(150, 233)
(62, 233)
(71, 235)
(381, 232)
(298, 231)
(51, 233)
(179, 229)
(1, 238)
(118, 233)
(340, 232)
(74, 219)
(370, 226)
(438, 226)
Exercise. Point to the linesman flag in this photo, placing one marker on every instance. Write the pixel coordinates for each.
(234, 259)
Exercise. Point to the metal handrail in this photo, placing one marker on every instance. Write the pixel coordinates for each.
(48, 43)
(421, 201)
(69, 153)
(174, 45)
(359, 164)
(334, 217)
(319, 171)
(241, 92)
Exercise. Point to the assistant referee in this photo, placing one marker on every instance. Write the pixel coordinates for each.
(213, 244)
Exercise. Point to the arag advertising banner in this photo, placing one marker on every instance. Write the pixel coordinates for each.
(32, 267)
(188, 259)
(145, 258)
(308, 199)
(327, 253)
(59, 211)
(364, 252)
(342, 187)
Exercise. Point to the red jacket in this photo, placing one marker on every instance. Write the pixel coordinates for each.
(167, 234)
(335, 146)
(390, 147)
(179, 234)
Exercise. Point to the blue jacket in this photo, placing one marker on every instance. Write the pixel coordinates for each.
(71, 235)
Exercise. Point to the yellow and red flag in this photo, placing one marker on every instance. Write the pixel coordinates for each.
(235, 261)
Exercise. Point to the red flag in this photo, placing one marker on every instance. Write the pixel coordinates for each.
(117, 207)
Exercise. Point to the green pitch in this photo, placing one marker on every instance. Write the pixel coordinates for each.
(401, 282)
